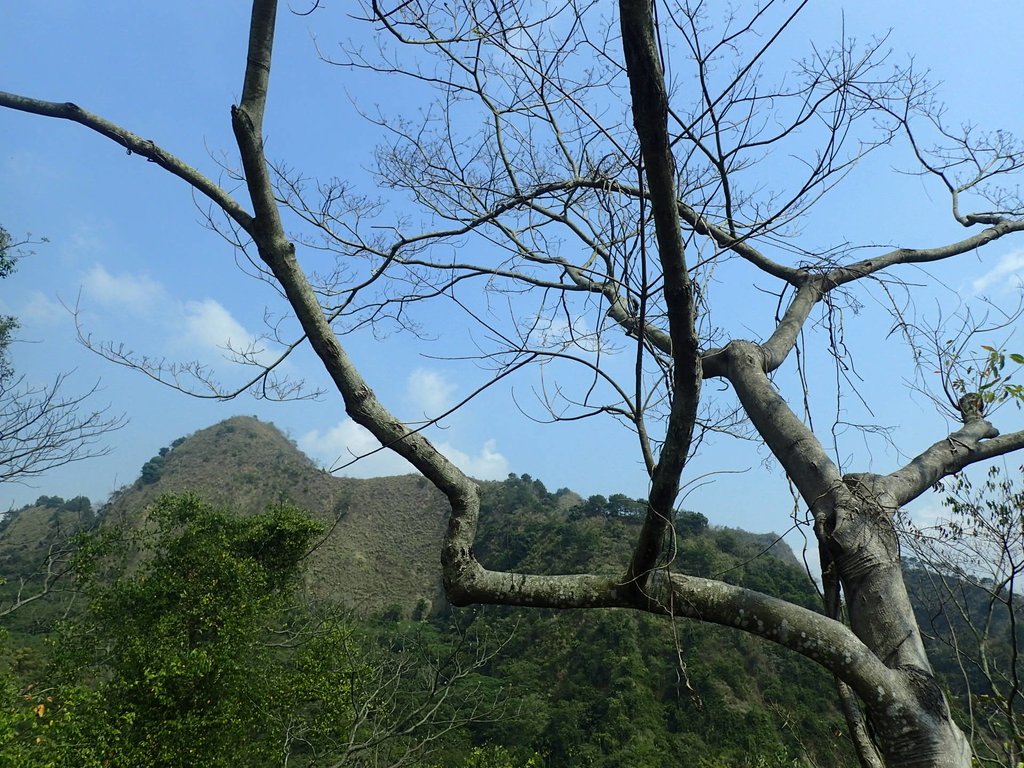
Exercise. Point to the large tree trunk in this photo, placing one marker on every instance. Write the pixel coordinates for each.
(912, 724)
(854, 523)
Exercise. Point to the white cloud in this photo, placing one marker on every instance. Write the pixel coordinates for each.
(488, 464)
(40, 310)
(429, 392)
(1005, 276)
(346, 441)
(137, 294)
(84, 241)
(202, 329)
(208, 325)
(926, 512)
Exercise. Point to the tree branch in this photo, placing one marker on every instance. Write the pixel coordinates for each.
(650, 118)
(829, 643)
(247, 124)
(133, 143)
(790, 440)
(976, 441)
(857, 270)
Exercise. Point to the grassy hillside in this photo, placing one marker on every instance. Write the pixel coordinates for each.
(597, 688)
(383, 536)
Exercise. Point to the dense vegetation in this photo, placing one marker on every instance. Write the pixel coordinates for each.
(185, 634)
(192, 640)
(194, 647)
(614, 688)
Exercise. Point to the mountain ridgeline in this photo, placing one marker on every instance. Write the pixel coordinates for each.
(584, 688)
(382, 547)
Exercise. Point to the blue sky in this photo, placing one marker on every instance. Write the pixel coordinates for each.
(127, 245)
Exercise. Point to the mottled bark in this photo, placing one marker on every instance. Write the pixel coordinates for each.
(650, 117)
(854, 524)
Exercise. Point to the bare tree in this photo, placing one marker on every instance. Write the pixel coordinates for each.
(46, 575)
(599, 191)
(41, 426)
(392, 707)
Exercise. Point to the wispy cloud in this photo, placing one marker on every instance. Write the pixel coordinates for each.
(349, 449)
(487, 464)
(138, 295)
(199, 328)
(926, 512)
(345, 442)
(210, 327)
(40, 310)
(427, 392)
(1006, 275)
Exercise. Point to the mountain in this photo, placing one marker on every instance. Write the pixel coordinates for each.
(382, 549)
(384, 534)
(598, 688)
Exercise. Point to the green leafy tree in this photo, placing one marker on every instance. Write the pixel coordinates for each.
(196, 649)
(163, 668)
(152, 470)
(500, 757)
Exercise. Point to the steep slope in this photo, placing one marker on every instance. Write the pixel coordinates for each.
(599, 688)
(37, 544)
(383, 542)
(384, 534)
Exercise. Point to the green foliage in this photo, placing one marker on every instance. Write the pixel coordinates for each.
(17, 717)
(612, 688)
(152, 470)
(80, 505)
(496, 756)
(163, 668)
(616, 505)
(192, 627)
(986, 376)
(995, 380)
(7, 259)
(195, 649)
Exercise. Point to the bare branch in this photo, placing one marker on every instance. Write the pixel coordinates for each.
(976, 441)
(134, 144)
(42, 428)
